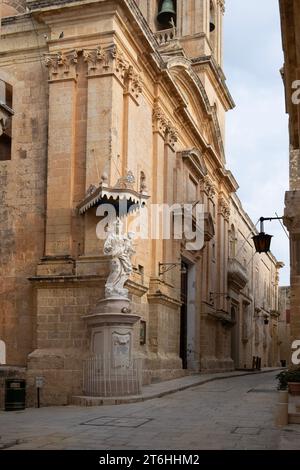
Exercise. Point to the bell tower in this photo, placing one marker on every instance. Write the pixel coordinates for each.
(199, 24)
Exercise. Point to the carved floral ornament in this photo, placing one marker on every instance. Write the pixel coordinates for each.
(164, 125)
(99, 61)
(224, 208)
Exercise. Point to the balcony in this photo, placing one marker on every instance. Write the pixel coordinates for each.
(166, 36)
(237, 275)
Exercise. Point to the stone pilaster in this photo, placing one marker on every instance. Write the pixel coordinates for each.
(292, 222)
(294, 169)
(61, 148)
(164, 140)
(106, 70)
(223, 228)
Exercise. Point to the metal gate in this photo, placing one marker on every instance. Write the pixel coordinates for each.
(102, 378)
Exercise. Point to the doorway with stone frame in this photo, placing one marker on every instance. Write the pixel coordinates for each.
(188, 316)
(235, 335)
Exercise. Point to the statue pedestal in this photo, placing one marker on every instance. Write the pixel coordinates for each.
(112, 370)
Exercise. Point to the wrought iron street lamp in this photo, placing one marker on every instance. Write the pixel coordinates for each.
(262, 241)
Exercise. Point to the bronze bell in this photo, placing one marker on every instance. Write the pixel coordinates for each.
(166, 13)
(212, 25)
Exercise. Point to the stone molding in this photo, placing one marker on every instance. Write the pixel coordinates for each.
(62, 65)
(163, 125)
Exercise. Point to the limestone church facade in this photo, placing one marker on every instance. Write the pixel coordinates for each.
(107, 97)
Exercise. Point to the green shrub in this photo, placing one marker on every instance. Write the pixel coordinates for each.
(286, 376)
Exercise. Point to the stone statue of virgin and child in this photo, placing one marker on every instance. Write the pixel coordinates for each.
(120, 247)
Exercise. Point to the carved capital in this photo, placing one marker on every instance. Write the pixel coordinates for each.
(171, 135)
(61, 65)
(115, 62)
(208, 187)
(224, 208)
(134, 82)
(112, 61)
(162, 124)
(94, 58)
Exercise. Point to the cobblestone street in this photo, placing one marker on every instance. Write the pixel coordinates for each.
(235, 413)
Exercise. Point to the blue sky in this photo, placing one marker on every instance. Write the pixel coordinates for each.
(257, 129)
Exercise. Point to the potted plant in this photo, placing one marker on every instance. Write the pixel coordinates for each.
(290, 379)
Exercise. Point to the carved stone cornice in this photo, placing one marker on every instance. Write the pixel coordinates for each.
(62, 65)
(224, 208)
(163, 125)
(209, 188)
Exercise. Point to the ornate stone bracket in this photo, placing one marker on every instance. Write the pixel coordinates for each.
(62, 65)
(163, 125)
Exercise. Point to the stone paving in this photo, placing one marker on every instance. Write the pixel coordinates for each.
(232, 413)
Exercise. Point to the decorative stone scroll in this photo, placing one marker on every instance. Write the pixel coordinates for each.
(61, 65)
(163, 125)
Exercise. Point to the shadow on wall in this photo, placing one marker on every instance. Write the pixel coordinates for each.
(2, 353)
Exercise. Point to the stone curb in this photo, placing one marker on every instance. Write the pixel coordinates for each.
(98, 401)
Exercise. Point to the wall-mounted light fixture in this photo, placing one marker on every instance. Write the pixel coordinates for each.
(262, 241)
(165, 267)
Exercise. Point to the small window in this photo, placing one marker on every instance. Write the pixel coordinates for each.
(2, 353)
(6, 113)
(6, 94)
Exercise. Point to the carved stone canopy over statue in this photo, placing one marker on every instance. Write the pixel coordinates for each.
(120, 248)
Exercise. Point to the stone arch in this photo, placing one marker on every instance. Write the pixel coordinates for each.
(2, 352)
